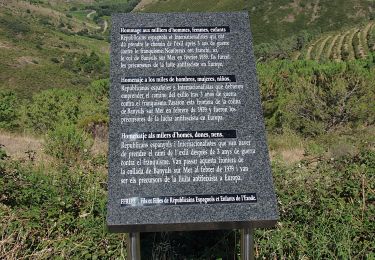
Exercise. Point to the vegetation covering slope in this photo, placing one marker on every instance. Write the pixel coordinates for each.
(278, 19)
(349, 44)
(321, 114)
(48, 44)
(42, 48)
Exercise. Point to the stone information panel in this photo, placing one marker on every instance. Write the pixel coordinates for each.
(187, 147)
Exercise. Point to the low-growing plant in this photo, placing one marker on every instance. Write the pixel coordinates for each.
(55, 60)
(311, 98)
(8, 109)
(54, 214)
(67, 143)
(51, 107)
(326, 212)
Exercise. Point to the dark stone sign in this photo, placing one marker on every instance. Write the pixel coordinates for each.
(187, 146)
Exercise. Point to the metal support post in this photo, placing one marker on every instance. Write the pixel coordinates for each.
(134, 246)
(247, 244)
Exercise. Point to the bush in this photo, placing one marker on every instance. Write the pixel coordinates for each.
(49, 214)
(312, 98)
(109, 9)
(3, 154)
(8, 109)
(100, 89)
(51, 107)
(45, 21)
(326, 212)
(14, 25)
(55, 60)
(67, 143)
(91, 63)
(95, 125)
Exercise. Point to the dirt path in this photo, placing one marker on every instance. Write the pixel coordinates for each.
(105, 26)
(297, 55)
(329, 51)
(91, 13)
(141, 5)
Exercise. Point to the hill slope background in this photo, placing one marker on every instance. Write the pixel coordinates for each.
(46, 44)
(277, 19)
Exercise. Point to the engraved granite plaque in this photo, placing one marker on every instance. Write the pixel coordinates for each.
(187, 147)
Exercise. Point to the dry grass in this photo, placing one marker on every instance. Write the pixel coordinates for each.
(288, 147)
(309, 50)
(289, 18)
(288, 156)
(99, 147)
(293, 155)
(26, 60)
(5, 45)
(339, 45)
(28, 148)
(365, 32)
(23, 147)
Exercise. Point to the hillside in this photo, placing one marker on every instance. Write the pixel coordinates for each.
(42, 48)
(348, 44)
(64, 44)
(277, 19)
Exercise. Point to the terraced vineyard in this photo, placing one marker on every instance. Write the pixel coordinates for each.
(350, 44)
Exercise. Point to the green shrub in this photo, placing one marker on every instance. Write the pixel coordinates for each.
(45, 21)
(100, 89)
(67, 143)
(312, 98)
(91, 63)
(95, 125)
(50, 214)
(8, 109)
(14, 25)
(55, 60)
(51, 107)
(108, 9)
(95, 104)
(326, 212)
(3, 154)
